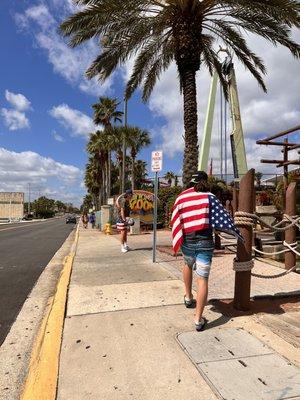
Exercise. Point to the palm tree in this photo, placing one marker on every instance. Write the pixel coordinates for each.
(97, 147)
(115, 134)
(140, 168)
(105, 111)
(169, 176)
(157, 32)
(136, 139)
(88, 202)
(92, 180)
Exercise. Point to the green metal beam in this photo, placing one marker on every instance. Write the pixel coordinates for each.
(237, 131)
(206, 140)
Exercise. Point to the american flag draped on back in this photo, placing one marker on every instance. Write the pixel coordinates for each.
(195, 211)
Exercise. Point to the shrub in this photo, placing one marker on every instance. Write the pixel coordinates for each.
(167, 197)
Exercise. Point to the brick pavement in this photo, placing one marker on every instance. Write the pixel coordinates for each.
(221, 283)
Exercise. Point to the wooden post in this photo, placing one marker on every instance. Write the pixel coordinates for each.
(218, 245)
(235, 200)
(290, 234)
(285, 172)
(242, 286)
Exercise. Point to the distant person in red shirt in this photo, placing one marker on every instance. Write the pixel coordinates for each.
(123, 207)
(85, 220)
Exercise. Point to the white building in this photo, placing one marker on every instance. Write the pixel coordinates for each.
(11, 205)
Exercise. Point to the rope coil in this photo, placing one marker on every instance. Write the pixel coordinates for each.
(280, 275)
(241, 266)
(242, 218)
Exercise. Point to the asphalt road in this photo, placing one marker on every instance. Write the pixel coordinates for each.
(25, 250)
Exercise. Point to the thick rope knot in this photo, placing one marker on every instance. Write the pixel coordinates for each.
(241, 266)
(242, 218)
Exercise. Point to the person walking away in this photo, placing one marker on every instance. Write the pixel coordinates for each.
(196, 213)
(123, 207)
(92, 219)
(85, 220)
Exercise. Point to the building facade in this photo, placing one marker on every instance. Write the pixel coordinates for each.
(11, 205)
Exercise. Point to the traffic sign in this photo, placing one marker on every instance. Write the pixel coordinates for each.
(156, 161)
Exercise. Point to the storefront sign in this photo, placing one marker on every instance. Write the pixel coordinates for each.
(142, 205)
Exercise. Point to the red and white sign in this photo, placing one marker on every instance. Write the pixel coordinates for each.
(156, 161)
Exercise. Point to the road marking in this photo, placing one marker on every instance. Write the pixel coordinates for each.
(41, 381)
(22, 226)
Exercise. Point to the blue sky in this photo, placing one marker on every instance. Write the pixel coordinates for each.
(45, 106)
(45, 103)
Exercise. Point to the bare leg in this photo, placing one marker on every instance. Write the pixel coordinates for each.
(202, 291)
(123, 237)
(188, 279)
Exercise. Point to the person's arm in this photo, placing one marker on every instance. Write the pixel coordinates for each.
(122, 211)
(121, 202)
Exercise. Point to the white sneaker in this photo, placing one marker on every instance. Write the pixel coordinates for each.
(126, 247)
(123, 249)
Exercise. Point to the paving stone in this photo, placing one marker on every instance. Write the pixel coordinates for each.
(263, 377)
(96, 299)
(239, 366)
(221, 344)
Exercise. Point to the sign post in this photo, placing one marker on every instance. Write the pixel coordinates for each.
(156, 166)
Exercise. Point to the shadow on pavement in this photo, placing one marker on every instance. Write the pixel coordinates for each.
(268, 305)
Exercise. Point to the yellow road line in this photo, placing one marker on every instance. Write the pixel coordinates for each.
(41, 381)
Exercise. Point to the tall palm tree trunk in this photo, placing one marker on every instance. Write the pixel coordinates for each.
(103, 186)
(109, 175)
(132, 173)
(106, 166)
(120, 162)
(190, 158)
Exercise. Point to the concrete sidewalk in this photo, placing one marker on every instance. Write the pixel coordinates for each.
(127, 334)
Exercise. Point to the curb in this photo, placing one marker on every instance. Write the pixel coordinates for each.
(41, 381)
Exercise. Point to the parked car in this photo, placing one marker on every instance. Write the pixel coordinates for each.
(28, 217)
(71, 219)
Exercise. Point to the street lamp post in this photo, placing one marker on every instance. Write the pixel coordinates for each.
(124, 146)
(28, 209)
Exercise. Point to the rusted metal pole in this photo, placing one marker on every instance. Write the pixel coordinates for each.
(290, 234)
(242, 285)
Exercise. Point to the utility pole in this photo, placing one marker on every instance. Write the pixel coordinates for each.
(124, 146)
(10, 208)
(28, 198)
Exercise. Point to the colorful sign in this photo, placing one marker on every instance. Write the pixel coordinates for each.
(142, 205)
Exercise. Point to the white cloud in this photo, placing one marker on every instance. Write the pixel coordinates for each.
(58, 137)
(18, 101)
(14, 119)
(19, 169)
(262, 114)
(71, 64)
(39, 14)
(76, 121)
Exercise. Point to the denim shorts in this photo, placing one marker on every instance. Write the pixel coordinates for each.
(198, 256)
